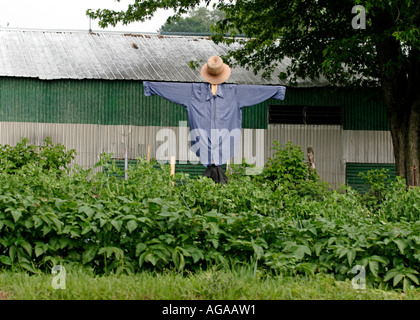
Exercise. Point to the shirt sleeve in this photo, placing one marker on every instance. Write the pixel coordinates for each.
(249, 95)
(179, 93)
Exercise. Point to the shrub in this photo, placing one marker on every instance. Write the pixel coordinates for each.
(286, 165)
(48, 156)
(124, 226)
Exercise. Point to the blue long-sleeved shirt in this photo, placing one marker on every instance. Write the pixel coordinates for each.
(215, 120)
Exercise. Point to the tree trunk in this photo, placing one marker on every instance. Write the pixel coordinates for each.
(402, 100)
(405, 134)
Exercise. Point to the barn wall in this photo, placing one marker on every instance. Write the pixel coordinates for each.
(96, 116)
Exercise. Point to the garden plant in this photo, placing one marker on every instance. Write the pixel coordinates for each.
(283, 221)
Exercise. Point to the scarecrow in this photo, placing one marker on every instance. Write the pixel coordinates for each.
(214, 112)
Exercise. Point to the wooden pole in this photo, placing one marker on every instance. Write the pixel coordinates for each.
(125, 163)
(148, 153)
(311, 159)
(173, 167)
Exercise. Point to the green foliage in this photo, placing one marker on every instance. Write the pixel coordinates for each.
(47, 157)
(200, 20)
(123, 226)
(379, 183)
(286, 165)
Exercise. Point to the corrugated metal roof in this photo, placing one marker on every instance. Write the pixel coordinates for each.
(52, 54)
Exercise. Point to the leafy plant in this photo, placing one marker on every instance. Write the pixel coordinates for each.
(48, 156)
(286, 165)
(292, 227)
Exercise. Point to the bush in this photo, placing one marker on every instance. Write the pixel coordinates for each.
(124, 226)
(286, 165)
(48, 156)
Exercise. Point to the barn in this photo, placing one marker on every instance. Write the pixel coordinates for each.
(85, 90)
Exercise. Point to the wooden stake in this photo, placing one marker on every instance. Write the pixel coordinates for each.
(311, 159)
(125, 163)
(148, 153)
(173, 167)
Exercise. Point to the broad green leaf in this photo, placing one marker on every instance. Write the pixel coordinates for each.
(131, 225)
(175, 258)
(27, 246)
(129, 217)
(166, 214)
(215, 243)
(258, 250)
(181, 261)
(142, 258)
(87, 210)
(318, 247)
(5, 260)
(391, 274)
(118, 252)
(39, 249)
(107, 250)
(301, 250)
(373, 267)
(63, 242)
(152, 259)
(214, 229)
(343, 252)
(406, 284)
(28, 266)
(379, 259)
(164, 255)
(12, 252)
(351, 254)
(28, 224)
(9, 224)
(16, 214)
(401, 244)
(397, 279)
(140, 248)
(89, 255)
(45, 230)
(117, 224)
(413, 278)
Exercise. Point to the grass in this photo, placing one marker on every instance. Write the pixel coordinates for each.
(213, 284)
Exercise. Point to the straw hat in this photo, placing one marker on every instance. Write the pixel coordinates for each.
(215, 71)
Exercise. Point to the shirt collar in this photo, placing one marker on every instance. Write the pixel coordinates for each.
(219, 92)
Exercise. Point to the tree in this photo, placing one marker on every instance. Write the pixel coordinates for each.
(198, 21)
(324, 38)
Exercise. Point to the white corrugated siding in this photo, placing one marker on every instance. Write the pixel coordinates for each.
(326, 141)
(366, 146)
(333, 147)
(91, 140)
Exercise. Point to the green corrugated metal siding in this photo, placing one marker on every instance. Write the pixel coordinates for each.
(255, 117)
(193, 170)
(123, 103)
(85, 102)
(96, 102)
(363, 108)
(352, 173)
